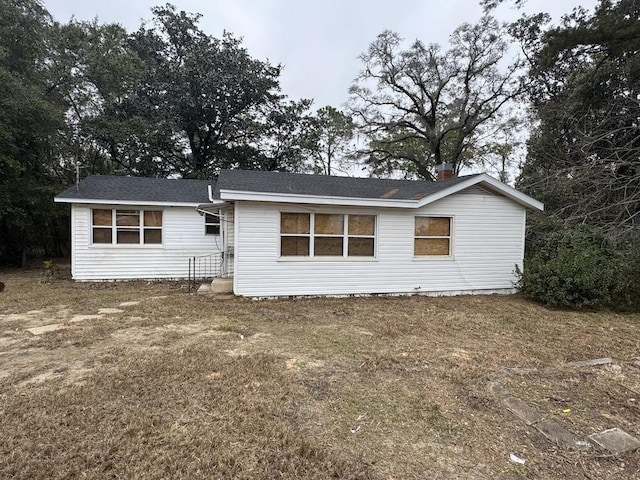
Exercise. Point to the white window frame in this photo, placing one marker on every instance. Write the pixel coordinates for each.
(216, 223)
(140, 227)
(450, 237)
(311, 236)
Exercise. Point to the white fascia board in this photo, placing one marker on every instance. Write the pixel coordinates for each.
(317, 200)
(490, 183)
(122, 202)
(484, 179)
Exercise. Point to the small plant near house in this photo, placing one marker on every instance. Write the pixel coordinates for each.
(50, 270)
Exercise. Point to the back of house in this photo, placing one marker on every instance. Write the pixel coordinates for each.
(283, 234)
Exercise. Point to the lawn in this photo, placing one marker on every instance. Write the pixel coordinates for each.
(185, 386)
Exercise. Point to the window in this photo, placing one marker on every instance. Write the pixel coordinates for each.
(295, 234)
(362, 235)
(432, 236)
(327, 235)
(328, 240)
(133, 227)
(211, 224)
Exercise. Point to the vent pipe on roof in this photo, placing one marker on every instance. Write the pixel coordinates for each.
(444, 172)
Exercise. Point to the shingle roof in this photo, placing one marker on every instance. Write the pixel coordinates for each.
(139, 189)
(325, 185)
(112, 188)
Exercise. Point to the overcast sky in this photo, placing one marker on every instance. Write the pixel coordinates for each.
(317, 41)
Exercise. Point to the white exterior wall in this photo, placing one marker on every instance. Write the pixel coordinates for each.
(183, 236)
(488, 242)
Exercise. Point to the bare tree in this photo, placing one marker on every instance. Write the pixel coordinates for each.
(423, 106)
(594, 179)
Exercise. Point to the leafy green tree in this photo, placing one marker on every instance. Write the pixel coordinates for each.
(96, 75)
(440, 104)
(210, 101)
(31, 116)
(284, 146)
(330, 141)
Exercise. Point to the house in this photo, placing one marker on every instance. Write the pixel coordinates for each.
(282, 234)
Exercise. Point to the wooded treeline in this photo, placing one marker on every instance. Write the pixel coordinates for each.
(583, 156)
(170, 100)
(166, 100)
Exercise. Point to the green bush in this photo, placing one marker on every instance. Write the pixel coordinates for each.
(628, 298)
(575, 268)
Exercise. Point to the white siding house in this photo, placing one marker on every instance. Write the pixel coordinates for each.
(477, 250)
(183, 237)
(125, 228)
(487, 244)
(284, 234)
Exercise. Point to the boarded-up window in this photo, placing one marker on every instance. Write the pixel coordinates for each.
(153, 218)
(432, 236)
(102, 235)
(102, 218)
(362, 231)
(152, 235)
(126, 235)
(329, 224)
(294, 247)
(102, 225)
(362, 225)
(297, 223)
(131, 227)
(328, 246)
(152, 226)
(361, 247)
(295, 229)
(327, 235)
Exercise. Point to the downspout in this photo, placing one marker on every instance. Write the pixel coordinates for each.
(223, 226)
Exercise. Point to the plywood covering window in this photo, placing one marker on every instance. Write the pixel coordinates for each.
(432, 236)
(327, 235)
(126, 227)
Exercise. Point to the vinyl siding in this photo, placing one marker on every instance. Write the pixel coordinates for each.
(487, 244)
(183, 236)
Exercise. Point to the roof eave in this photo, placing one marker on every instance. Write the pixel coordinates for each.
(487, 181)
(102, 201)
(490, 183)
(234, 195)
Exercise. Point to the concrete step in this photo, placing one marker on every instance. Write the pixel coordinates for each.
(222, 285)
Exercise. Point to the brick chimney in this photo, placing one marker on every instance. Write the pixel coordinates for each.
(444, 172)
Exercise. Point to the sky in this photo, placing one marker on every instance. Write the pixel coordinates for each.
(318, 42)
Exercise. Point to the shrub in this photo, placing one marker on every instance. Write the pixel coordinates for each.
(575, 268)
(50, 269)
(629, 296)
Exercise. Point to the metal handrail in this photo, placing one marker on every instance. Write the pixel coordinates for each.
(207, 267)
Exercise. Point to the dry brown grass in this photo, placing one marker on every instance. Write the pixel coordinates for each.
(196, 387)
